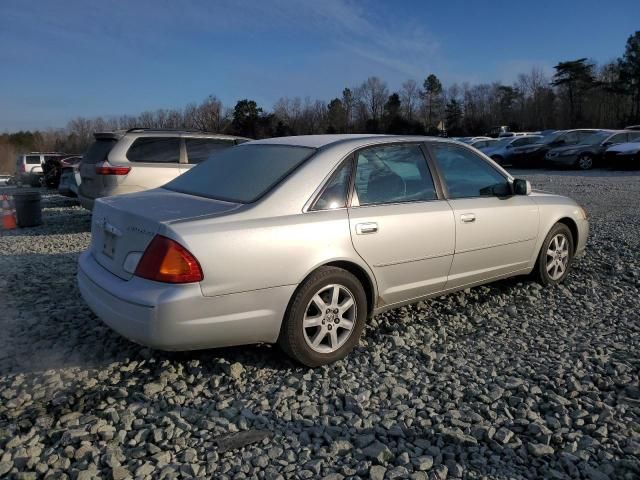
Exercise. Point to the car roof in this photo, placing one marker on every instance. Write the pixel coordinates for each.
(320, 141)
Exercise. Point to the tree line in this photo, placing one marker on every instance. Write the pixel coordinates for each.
(580, 93)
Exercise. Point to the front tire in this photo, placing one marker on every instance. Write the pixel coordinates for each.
(325, 318)
(556, 256)
(585, 162)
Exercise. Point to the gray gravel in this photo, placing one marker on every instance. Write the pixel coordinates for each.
(509, 380)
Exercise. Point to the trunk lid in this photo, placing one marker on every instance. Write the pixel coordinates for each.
(123, 226)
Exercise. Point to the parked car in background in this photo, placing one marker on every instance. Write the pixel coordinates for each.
(590, 150)
(474, 139)
(623, 156)
(70, 176)
(483, 143)
(4, 179)
(533, 155)
(299, 240)
(29, 166)
(497, 130)
(139, 159)
(500, 151)
(52, 169)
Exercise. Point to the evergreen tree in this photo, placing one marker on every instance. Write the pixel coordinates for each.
(576, 78)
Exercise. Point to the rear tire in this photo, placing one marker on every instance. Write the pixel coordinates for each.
(556, 256)
(325, 317)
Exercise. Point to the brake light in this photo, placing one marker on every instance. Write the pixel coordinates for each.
(23, 168)
(165, 260)
(105, 168)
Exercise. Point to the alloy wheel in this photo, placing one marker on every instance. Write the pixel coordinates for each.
(557, 256)
(329, 318)
(585, 162)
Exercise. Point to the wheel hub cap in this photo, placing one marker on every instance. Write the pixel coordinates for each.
(557, 256)
(329, 318)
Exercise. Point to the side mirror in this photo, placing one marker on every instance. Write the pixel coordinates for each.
(521, 187)
(509, 146)
(607, 144)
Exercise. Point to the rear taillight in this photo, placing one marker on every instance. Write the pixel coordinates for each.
(105, 168)
(23, 168)
(165, 260)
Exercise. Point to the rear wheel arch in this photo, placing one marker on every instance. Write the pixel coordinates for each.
(364, 278)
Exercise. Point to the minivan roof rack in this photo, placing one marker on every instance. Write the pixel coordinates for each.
(149, 129)
(44, 153)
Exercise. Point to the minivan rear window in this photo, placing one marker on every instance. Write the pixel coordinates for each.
(155, 150)
(33, 159)
(199, 149)
(241, 174)
(99, 150)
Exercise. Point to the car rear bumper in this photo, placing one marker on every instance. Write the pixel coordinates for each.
(179, 317)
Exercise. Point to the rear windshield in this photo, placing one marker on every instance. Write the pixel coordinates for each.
(33, 159)
(99, 150)
(241, 174)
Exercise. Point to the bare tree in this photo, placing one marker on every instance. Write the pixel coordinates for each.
(409, 95)
(374, 93)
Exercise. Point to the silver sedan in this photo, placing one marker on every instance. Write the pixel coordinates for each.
(300, 240)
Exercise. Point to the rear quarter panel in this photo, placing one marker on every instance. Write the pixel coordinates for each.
(251, 254)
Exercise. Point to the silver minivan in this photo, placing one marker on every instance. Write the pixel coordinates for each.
(127, 161)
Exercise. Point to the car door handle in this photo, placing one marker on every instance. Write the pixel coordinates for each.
(467, 217)
(365, 228)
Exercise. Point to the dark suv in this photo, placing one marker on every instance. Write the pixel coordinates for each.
(590, 151)
(534, 155)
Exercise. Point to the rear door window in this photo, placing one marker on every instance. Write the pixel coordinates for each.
(33, 159)
(155, 150)
(619, 138)
(199, 149)
(393, 174)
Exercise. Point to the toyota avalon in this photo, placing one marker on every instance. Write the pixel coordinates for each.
(300, 240)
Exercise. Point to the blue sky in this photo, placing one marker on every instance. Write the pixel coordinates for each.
(63, 59)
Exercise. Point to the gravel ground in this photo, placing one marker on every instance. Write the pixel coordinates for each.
(509, 380)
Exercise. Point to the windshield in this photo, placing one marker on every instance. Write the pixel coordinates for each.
(596, 138)
(241, 174)
(502, 142)
(553, 137)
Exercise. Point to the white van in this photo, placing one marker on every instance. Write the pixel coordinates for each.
(29, 166)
